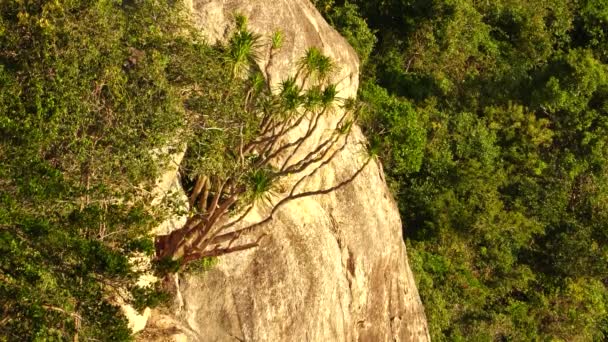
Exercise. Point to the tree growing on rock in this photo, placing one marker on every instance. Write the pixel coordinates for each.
(245, 145)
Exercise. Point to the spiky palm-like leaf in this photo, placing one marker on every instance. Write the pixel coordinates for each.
(258, 82)
(349, 104)
(241, 22)
(310, 59)
(290, 95)
(313, 98)
(242, 51)
(329, 95)
(260, 182)
(317, 65)
(277, 40)
(374, 147)
(344, 127)
(325, 66)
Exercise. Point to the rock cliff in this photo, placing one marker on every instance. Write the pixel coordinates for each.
(333, 267)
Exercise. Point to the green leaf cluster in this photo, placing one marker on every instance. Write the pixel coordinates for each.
(491, 117)
(90, 107)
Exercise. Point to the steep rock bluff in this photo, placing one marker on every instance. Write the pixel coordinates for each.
(332, 267)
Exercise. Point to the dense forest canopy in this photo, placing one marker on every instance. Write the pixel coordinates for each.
(492, 117)
(97, 98)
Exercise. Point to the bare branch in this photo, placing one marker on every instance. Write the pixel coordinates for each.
(273, 118)
(202, 202)
(217, 196)
(311, 193)
(311, 129)
(200, 182)
(255, 143)
(219, 251)
(290, 197)
(238, 219)
(58, 309)
(298, 142)
(309, 159)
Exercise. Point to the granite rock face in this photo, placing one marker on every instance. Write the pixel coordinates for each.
(332, 267)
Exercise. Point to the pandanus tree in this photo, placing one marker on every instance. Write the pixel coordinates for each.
(236, 165)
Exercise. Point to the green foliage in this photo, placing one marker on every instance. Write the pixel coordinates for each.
(277, 40)
(95, 98)
(165, 266)
(260, 184)
(90, 100)
(239, 146)
(242, 49)
(389, 119)
(491, 118)
(202, 265)
(590, 27)
(351, 25)
(315, 65)
(149, 296)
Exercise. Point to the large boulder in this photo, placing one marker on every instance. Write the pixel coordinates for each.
(333, 267)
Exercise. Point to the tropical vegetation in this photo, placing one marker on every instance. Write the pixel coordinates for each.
(492, 117)
(97, 98)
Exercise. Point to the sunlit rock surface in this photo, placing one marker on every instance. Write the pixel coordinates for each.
(332, 267)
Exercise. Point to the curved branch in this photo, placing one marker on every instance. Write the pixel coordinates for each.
(250, 228)
(198, 187)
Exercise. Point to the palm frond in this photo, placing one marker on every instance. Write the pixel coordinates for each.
(290, 94)
(242, 51)
(329, 95)
(315, 64)
(277, 40)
